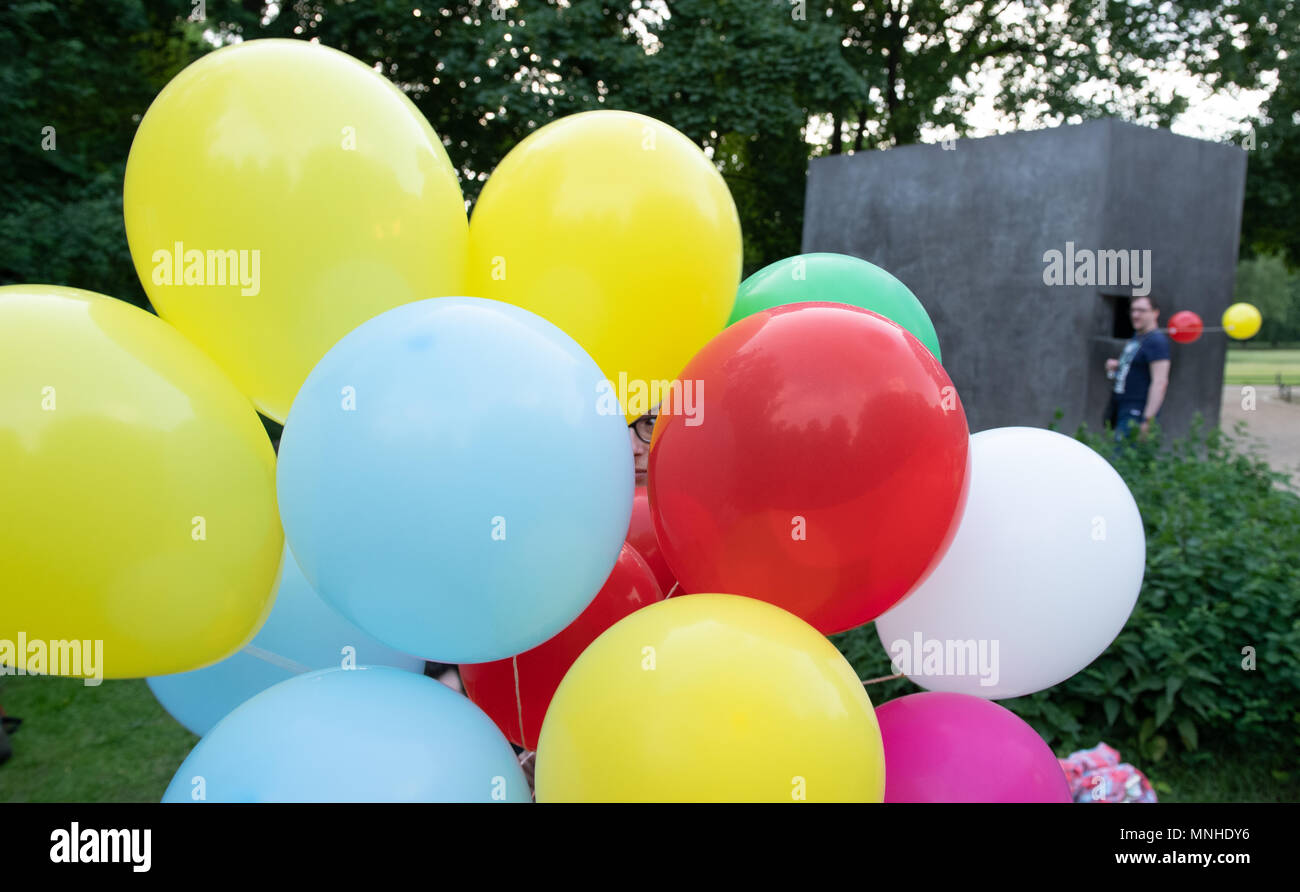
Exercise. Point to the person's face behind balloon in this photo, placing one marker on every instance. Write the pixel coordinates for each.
(639, 432)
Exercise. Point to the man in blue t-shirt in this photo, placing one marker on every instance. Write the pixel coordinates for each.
(1141, 373)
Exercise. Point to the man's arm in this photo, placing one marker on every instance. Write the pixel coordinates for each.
(1156, 394)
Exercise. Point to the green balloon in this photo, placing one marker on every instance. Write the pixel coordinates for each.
(841, 279)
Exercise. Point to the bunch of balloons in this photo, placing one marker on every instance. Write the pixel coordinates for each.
(454, 480)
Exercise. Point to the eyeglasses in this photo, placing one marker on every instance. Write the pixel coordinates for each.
(644, 428)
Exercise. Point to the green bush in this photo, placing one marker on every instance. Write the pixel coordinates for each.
(1223, 552)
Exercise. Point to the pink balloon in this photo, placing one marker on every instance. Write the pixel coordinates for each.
(942, 747)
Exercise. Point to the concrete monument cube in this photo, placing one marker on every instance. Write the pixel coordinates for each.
(1026, 248)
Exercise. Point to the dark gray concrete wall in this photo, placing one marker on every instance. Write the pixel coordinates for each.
(966, 229)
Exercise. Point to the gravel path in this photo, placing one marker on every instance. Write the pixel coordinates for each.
(1274, 422)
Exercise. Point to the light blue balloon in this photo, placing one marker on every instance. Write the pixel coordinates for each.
(372, 734)
(302, 633)
(451, 480)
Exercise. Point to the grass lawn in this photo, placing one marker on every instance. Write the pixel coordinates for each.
(114, 743)
(1261, 366)
(1225, 775)
(111, 743)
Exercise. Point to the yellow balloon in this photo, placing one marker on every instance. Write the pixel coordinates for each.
(619, 230)
(710, 698)
(278, 194)
(1241, 321)
(137, 498)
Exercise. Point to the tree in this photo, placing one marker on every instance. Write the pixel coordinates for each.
(742, 78)
(75, 78)
(1271, 216)
(1265, 282)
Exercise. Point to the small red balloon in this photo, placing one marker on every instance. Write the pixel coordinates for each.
(1185, 327)
(516, 691)
(825, 468)
(641, 536)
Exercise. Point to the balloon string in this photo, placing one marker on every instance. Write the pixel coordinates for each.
(276, 660)
(867, 681)
(519, 701)
(671, 590)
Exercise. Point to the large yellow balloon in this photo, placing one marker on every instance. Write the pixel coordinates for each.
(619, 230)
(1242, 321)
(280, 193)
(710, 698)
(137, 492)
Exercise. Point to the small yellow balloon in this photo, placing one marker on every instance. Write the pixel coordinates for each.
(710, 698)
(278, 194)
(618, 229)
(1241, 321)
(137, 498)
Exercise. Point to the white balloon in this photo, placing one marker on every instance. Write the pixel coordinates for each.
(1040, 578)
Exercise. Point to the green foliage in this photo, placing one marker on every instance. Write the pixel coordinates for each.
(762, 85)
(1263, 280)
(75, 78)
(1271, 215)
(1223, 547)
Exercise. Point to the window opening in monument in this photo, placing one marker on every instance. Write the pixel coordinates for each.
(1121, 324)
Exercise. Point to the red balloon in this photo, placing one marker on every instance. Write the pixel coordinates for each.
(1185, 327)
(825, 468)
(516, 691)
(641, 536)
